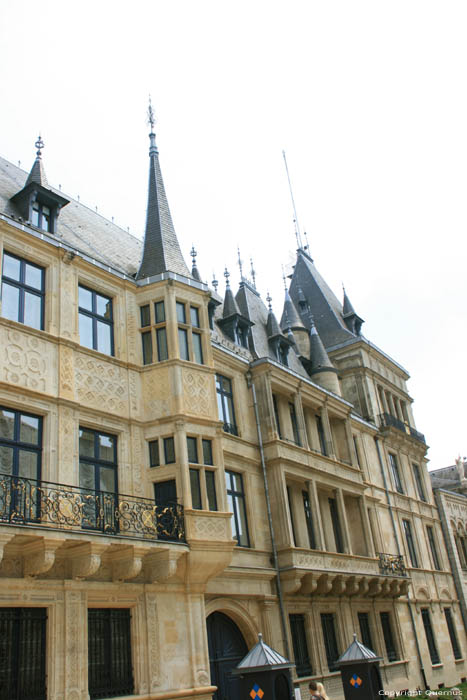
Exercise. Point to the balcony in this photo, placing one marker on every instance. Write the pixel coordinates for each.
(392, 564)
(389, 421)
(42, 504)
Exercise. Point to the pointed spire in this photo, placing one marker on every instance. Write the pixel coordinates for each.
(290, 317)
(194, 270)
(215, 282)
(272, 327)
(37, 174)
(240, 264)
(161, 250)
(318, 355)
(347, 306)
(230, 305)
(351, 318)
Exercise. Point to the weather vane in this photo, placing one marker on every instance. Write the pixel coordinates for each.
(151, 117)
(39, 145)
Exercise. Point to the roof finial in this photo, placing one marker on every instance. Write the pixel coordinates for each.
(227, 275)
(151, 117)
(253, 273)
(295, 219)
(284, 278)
(240, 264)
(193, 254)
(215, 283)
(269, 299)
(307, 242)
(39, 145)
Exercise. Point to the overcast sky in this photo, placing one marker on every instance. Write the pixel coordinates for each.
(369, 101)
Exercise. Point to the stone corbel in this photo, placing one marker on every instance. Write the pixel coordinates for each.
(375, 587)
(291, 582)
(363, 587)
(385, 590)
(39, 556)
(338, 586)
(394, 589)
(324, 584)
(4, 539)
(161, 566)
(127, 563)
(352, 586)
(86, 559)
(310, 584)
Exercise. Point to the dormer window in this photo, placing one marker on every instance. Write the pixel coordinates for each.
(41, 216)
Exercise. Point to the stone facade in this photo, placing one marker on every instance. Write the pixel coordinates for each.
(345, 470)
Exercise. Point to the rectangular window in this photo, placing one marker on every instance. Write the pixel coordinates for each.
(20, 463)
(336, 525)
(386, 626)
(430, 637)
(207, 452)
(181, 315)
(183, 343)
(159, 311)
(292, 521)
(330, 640)
(146, 339)
(456, 650)
(276, 416)
(40, 216)
(294, 422)
(211, 489)
(192, 447)
(419, 482)
(154, 460)
(22, 653)
(395, 472)
(145, 312)
(300, 645)
(109, 653)
(434, 551)
(23, 291)
(95, 321)
(309, 520)
(98, 479)
(236, 504)
(169, 450)
(197, 347)
(195, 489)
(194, 316)
(225, 404)
(162, 350)
(365, 631)
(410, 543)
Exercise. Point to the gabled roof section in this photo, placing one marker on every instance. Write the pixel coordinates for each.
(161, 250)
(326, 309)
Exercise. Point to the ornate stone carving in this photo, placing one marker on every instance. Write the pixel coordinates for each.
(101, 384)
(162, 565)
(209, 528)
(197, 389)
(39, 556)
(66, 372)
(127, 564)
(157, 393)
(86, 559)
(153, 642)
(24, 361)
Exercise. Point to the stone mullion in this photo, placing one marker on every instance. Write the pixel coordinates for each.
(366, 526)
(344, 522)
(327, 432)
(316, 514)
(181, 453)
(301, 419)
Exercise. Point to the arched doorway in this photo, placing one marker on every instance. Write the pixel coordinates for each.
(226, 648)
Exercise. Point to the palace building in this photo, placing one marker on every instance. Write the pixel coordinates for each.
(180, 471)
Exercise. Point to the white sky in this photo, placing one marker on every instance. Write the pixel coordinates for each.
(368, 99)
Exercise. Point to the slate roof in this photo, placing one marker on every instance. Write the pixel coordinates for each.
(290, 316)
(78, 226)
(356, 653)
(326, 309)
(262, 657)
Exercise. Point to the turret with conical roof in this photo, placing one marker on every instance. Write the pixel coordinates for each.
(234, 324)
(291, 321)
(352, 320)
(322, 370)
(161, 250)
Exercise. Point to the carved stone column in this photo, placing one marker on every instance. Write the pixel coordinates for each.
(181, 453)
(316, 514)
(344, 523)
(76, 648)
(327, 432)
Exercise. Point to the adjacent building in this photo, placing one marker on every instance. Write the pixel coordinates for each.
(181, 471)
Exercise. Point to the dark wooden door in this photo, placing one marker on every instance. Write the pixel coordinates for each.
(226, 648)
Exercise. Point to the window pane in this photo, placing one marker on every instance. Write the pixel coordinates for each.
(154, 453)
(6, 460)
(85, 298)
(145, 315)
(192, 450)
(237, 482)
(35, 214)
(197, 348)
(104, 338)
(162, 351)
(28, 464)
(229, 413)
(207, 452)
(85, 330)
(194, 316)
(181, 318)
(211, 490)
(106, 448)
(86, 443)
(183, 344)
(86, 476)
(169, 450)
(33, 276)
(29, 429)
(10, 302)
(159, 309)
(7, 424)
(103, 306)
(146, 339)
(33, 310)
(242, 526)
(108, 480)
(220, 407)
(11, 267)
(195, 489)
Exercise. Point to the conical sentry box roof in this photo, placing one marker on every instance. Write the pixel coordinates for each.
(261, 658)
(357, 653)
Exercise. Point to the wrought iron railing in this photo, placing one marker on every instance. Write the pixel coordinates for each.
(392, 564)
(49, 505)
(386, 420)
(230, 428)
